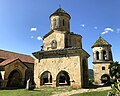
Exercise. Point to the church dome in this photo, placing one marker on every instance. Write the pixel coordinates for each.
(101, 42)
(60, 12)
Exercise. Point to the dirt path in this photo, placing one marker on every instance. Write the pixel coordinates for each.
(82, 91)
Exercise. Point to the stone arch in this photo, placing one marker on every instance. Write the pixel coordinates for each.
(45, 78)
(105, 78)
(97, 55)
(14, 79)
(62, 78)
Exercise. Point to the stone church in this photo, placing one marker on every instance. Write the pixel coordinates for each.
(102, 57)
(61, 60)
(15, 69)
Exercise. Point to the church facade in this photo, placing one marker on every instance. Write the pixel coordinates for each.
(62, 60)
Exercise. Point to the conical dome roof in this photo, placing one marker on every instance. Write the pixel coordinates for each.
(60, 12)
(101, 42)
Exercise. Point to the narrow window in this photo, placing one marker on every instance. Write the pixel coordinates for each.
(103, 68)
(97, 55)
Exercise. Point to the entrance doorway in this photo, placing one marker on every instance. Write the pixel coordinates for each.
(14, 79)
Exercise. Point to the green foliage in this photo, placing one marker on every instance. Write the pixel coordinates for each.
(114, 70)
(115, 74)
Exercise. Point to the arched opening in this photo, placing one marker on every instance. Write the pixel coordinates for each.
(97, 55)
(46, 78)
(105, 78)
(104, 55)
(14, 79)
(84, 73)
(62, 79)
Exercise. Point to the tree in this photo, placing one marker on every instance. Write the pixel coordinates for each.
(114, 70)
(115, 75)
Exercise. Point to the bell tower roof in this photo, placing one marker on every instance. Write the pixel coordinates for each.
(60, 12)
(101, 42)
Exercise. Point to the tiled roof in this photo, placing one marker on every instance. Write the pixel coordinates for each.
(101, 42)
(5, 62)
(60, 12)
(12, 55)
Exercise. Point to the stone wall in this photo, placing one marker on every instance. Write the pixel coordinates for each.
(98, 72)
(55, 65)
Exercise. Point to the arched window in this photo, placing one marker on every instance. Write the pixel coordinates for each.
(46, 78)
(62, 78)
(54, 23)
(104, 55)
(97, 55)
(54, 44)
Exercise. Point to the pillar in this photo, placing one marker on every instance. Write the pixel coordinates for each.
(107, 53)
(101, 56)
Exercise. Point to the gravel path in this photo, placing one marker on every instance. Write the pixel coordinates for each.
(82, 91)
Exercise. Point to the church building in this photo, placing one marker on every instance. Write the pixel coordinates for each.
(61, 61)
(15, 69)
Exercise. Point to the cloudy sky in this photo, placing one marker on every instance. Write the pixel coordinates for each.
(23, 23)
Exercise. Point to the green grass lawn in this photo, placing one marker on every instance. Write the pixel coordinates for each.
(101, 93)
(47, 92)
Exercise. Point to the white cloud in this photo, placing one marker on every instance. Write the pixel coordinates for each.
(39, 38)
(107, 30)
(33, 29)
(82, 25)
(32, 37)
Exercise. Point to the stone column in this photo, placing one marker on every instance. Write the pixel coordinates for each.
(4, 83)
(22, 82)
(54, 83)
(48, 77)
(101, 56)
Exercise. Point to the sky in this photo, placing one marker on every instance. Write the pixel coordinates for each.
(23, 23)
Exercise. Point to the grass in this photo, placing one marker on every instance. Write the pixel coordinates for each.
(95, 93)
(47, 91)
(44, 91)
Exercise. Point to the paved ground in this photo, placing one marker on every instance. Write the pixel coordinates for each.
(81, 91)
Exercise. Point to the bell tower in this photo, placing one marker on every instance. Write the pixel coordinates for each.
(60, 20)
(102, 57)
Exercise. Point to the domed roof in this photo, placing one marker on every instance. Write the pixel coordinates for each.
(60, 12)
(101, 42)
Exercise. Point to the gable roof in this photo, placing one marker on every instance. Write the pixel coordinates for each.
(101, 42)
(6, 62)
(12, 55)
